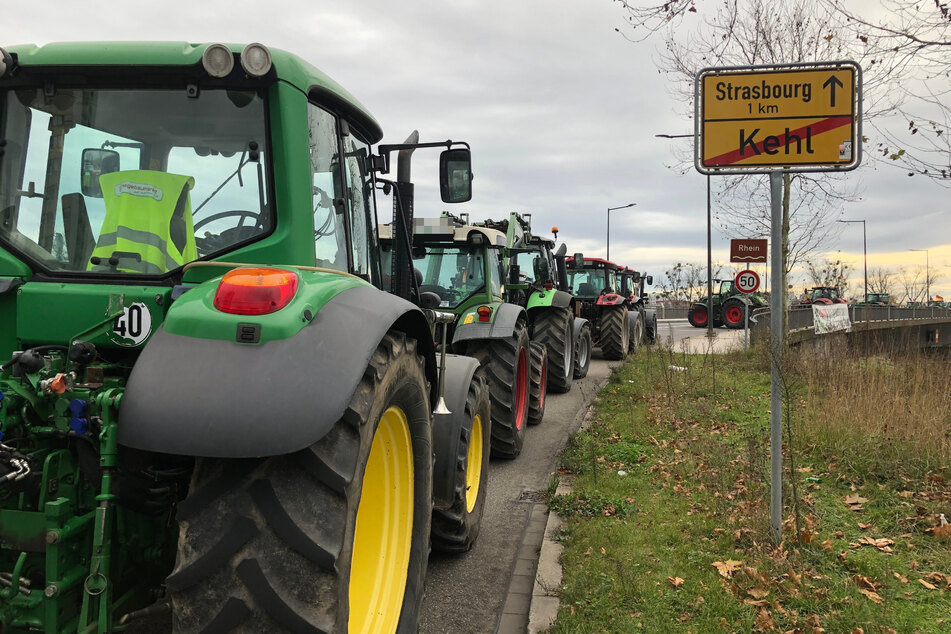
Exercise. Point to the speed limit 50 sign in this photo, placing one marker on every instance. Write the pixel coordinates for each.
(746, 281)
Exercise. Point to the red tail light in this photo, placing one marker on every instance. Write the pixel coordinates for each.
(484, 312)
(549, 286)
(255, 291)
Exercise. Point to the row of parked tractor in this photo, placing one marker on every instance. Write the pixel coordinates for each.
(528, 312)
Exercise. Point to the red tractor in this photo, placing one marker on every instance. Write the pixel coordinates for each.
(594, 282)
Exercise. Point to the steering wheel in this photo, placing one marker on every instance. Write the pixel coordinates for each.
(442, 291)
(210, 243)
(242, 213)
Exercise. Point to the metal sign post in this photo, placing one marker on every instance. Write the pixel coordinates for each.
(747, 282)
(777, 300)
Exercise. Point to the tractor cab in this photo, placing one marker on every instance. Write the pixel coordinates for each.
(824, 295)
(593, 278)
(458, 262)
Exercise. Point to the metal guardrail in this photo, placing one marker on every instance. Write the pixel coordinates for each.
(802, 317)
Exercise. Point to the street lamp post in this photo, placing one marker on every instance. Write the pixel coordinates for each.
(927, 276)
(608, 241)
(864, 253)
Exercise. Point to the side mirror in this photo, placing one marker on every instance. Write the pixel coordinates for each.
(455, 175)
(579, 260)
(650, 280)
(97, 162)
(542, 273)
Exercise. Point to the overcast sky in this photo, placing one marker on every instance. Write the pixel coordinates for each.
(560, 110)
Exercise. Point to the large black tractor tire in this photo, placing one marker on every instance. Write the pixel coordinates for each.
(698, 316)
(455, 529)
(538, 383)
(506, 366)
(636, 321)
(650, 327)
(555, 329)
(583, 348)
(615, 332)
(332, 538)
(734, 311)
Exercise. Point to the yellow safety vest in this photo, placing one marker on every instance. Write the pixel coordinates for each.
(148, 226)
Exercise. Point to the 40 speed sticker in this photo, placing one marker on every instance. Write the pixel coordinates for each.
(133, 326)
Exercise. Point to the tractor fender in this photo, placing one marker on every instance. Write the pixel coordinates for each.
(221, 399)
(610, 299)
(447, 428)
(579, 324)
(548, 299)
(501, 326)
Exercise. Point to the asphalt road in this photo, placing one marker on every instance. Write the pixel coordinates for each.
(465, 594)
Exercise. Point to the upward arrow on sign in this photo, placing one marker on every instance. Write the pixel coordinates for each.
(831, 83)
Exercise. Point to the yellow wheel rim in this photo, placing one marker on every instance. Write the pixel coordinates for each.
(384, 533)
(474, 463)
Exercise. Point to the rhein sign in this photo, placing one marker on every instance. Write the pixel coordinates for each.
(748, 250)
(796, 117)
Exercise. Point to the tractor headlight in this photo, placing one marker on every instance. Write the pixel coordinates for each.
(256, 59)
(217, 60)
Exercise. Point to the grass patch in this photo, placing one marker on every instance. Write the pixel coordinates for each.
(667, 525)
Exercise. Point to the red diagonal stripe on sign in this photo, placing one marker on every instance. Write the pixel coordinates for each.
(823, 125)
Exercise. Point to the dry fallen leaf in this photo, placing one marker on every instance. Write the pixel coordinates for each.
(854, 500)
(675, 581)
(883, 544)
(758, 592)
(871, 595)
(865, 582)
(764, 621)
(827, 545)
(927, 585)
(901, 578)
(728, 567)
(942, 532)
(864, 526)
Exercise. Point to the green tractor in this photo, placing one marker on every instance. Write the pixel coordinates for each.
(459, 265)
(644, 323)
(728, 308)
(210, 412)
(537, 280)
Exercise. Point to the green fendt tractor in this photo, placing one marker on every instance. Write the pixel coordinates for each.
(728, 307)
(459, 265)
(209, 407)
(537, 281)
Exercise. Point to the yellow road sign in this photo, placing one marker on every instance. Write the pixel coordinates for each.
(779, 117)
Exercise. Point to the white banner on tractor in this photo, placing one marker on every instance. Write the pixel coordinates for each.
(831, 318)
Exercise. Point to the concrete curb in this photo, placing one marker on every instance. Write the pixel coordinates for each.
(545, 602)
